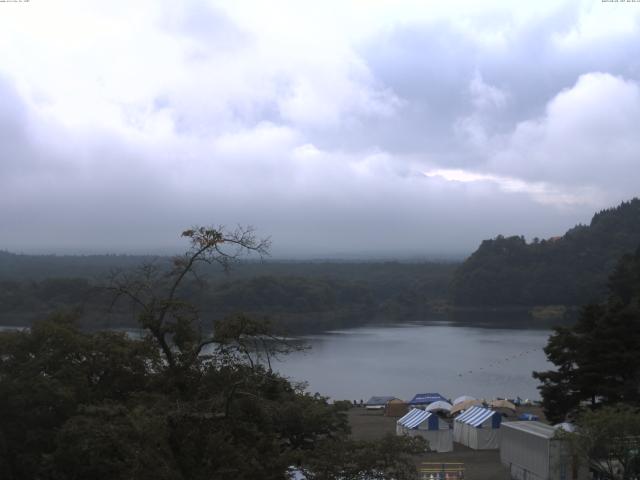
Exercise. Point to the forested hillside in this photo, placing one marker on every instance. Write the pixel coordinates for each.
(301, 296)
(568, 270)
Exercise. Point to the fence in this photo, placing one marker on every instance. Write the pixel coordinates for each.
(441, 471)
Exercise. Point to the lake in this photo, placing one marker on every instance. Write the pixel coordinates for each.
(402, 360)
(474, 356)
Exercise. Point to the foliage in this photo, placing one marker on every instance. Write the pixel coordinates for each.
(300, 296)
(567, 270)
(609, 439)
(598, 359)
(174, 404)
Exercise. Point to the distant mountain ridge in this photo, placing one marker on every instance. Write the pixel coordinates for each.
(567, 270)
(33, 267)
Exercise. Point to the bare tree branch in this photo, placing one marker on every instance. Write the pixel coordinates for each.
(153, 291)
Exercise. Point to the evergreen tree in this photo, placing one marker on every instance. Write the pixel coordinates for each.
(598, 359)
(571, 269)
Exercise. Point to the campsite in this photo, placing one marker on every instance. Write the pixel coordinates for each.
(474, 446)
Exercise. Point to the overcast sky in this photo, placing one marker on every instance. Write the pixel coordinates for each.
(337, 128)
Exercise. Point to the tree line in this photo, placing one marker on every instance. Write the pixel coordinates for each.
(568, 270)
(301, 297)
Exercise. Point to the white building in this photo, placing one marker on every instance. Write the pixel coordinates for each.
(532, 451)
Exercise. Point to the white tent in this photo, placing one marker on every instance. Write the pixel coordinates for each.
(440, 406)
(566, 426)
(428, 426)
(532, 451)
(478, 428)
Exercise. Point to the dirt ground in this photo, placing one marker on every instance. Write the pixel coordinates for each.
(479, 464)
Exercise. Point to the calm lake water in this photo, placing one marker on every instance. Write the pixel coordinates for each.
(402, 360)
(482, 360)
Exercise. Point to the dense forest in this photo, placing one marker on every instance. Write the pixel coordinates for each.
(299, 296)
(319, 295)
(567, 270)
(175, 403)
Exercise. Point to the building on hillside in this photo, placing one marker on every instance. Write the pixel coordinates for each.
(424, 399)
(532, 451)
(429, 426)
(478, 428)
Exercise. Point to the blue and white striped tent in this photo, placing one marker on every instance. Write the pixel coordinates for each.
(417, 417)
(478, 428)
(428, 426)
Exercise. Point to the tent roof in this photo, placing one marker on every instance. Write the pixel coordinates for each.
(534, 428)
(439, 405)
(414, 418)
(464, 405)
(502, 404)
(476, 416)
(379, 400)
(426, 398)
(463, 398)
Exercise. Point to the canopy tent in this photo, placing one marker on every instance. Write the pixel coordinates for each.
(478, 428)
(426, 399)
(428, 426)
(458, 407)
(378, 402)
(463, 398)
(439, 406)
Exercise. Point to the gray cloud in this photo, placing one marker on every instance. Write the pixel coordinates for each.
(523, 127)
(430, 67)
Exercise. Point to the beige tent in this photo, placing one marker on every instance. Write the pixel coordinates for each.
(396, 408)
(502, 404)
(458, 407)
(463, 398)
